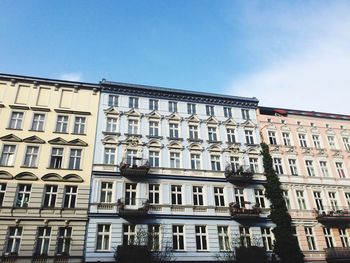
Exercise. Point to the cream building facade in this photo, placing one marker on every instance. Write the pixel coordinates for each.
(47, 134)
(311, 153)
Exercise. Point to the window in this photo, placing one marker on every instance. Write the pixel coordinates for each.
(31, 156)
(302, 140)
(316, 140)
(111, 125)
(103, 237)
(272, 137)
(63, 240)
(249, 138)
(293, 166)
(133, 126)
(172, 106)
(227, 112)
(301, 200)
(153, 104)
(347, 197)
(224, 240)
(333, 200)
(56, 158)
(62, 124)
(191, 108)
(8, 155)
(340, 169)
(130, 194)
(212, 136)
(324, 168)
(310, 238)
(331, 141)
(176, 195)
(174, 160)
(344, 238)
(153, 128)
(195, 161)
(153, 195)
(113, 100)
(259, 198)
(215, 162)
(286, 198)
(245, 236)
(106, 192)
(109, 156)
(50, 196)
(219, 196)
(253, 165)
(231, 138)
(131, 157)
(310, 168)
(154, 158)
(129, 233)
(198, 195)
(328, 236)
(79, 125)
(267, 238)
(239, 197)
(74, 159)
(173, 130)
(16, 120)
(286, 138)
(346, 142)
(193, 132)
(245, 114)
(318, 201)
(2, 193)
(38, 122)
(154, 237)
(178, 238)
(234, 163)
(70, 196)
(209, 110)
(23, 195)
(13, 240)
(43, 241)
(133, 102)
(201, 237)
(278, 165)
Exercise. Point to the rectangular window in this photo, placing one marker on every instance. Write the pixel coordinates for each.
(8, 155)
(212, 136)
(286, 198)
(62, 124)
(193, 132)
(344, 238)
(219, 196)
(174, 160)
(16, 120)
(63, 240)
(56, 158)
(191, 108)
(198, 195)
(209, 110)
(133, 102)
(324, 168)
(153, 195)
(43, 241)
(133, 126)
(301, 199)
(106, 195)
(310, 167)
(173, 130)
(249, 138)
(50, 196)
(272, 137)
(302, 140)
(347, 197)
(231, 137)
(153, 104)
(293, 166)
(316, 140)
(113, 100)
(318, 201)
(346, 142)
(195, 161)
(239, 197)
(328, 237)
(245, 236)
(331, 141)
(129, 234)
(154, 237)
(130, 194)
(111, 124)
(267, 237)
(333, 201)
(2, 193)
(340, 169)
(234, 161)
(227, 112)
(154, 158)
(176, 195)
(201, 237)
(153, 128)
(215, 162)
(172, 106)
(278, 165)
(38, 122)
(103, 237)
(131, 157)
(13, 240)
(310, 238)
(109, 156)
(70, 196)
(253, 165)
(79, 125)
(259, 198)
(245, 114)
(178, 238)
(286, 138)
(31, 156)
(23, 195)
(224, 240)
(74, 159)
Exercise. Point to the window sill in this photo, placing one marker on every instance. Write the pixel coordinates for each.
(195, 140)
(51, 168)
(210, 141)
(154, 137)
(60, 132)
(10, 166)
(111, 133)
(29, 167)
(14, 129)
(31, 130)
(175, 138)
(133, 134)
(76, 133)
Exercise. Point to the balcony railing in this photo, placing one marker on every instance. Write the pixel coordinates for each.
(134, 167)
(133, 207)
(334, 214)
(241, 174)
(338, 254)
(238, 212)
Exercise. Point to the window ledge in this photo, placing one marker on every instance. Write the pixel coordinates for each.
(31, 130)
(111, 133)
(74, 133)
(14, 129)
(51, 168)
(29, 167)
(60, 132)
(133, 134)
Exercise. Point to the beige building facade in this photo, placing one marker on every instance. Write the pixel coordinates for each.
(311, 153)
(47, 134)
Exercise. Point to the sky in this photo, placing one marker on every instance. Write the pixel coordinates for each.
(291, 54)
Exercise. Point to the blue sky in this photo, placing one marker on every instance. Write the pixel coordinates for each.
(292, 54)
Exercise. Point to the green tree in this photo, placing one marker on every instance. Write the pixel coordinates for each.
(286, 245)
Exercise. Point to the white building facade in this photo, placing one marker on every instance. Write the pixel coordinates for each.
(184, 165)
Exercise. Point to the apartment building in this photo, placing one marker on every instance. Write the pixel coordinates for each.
(184, 165)
(47, 133)
(310, 152)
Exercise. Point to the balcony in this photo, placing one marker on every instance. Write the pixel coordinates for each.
(238, 212)
(133, 207)
(134, 167)
(334, 215)
(338, 254)
(241, 175)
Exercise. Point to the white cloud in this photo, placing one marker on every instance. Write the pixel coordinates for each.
(72, 76)
(313, 73)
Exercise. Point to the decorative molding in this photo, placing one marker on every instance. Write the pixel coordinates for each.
(19, 107)
(10, 138)
(34, 139)
(40, 109)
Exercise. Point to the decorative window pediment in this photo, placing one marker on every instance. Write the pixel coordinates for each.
(249, 124)
(58, 141)
(52, 177)
(133, 113)
(5, 175)
(174, 117)
(78, 142)
(73, 178)
(133, 141)
(344, 133)
(315, 130)
(253, 150)
(195, 147)
(271, 127)
(109, 140)
(154, 115)
(230, 122)
(194, 119)
(285, 128)
(301, 129)
(10, 138)
(330, 131)
(154, 144)
(33, 139)
(112, 111)
(212, 120)
(175, 145)
(214, 148)
(27, 176)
